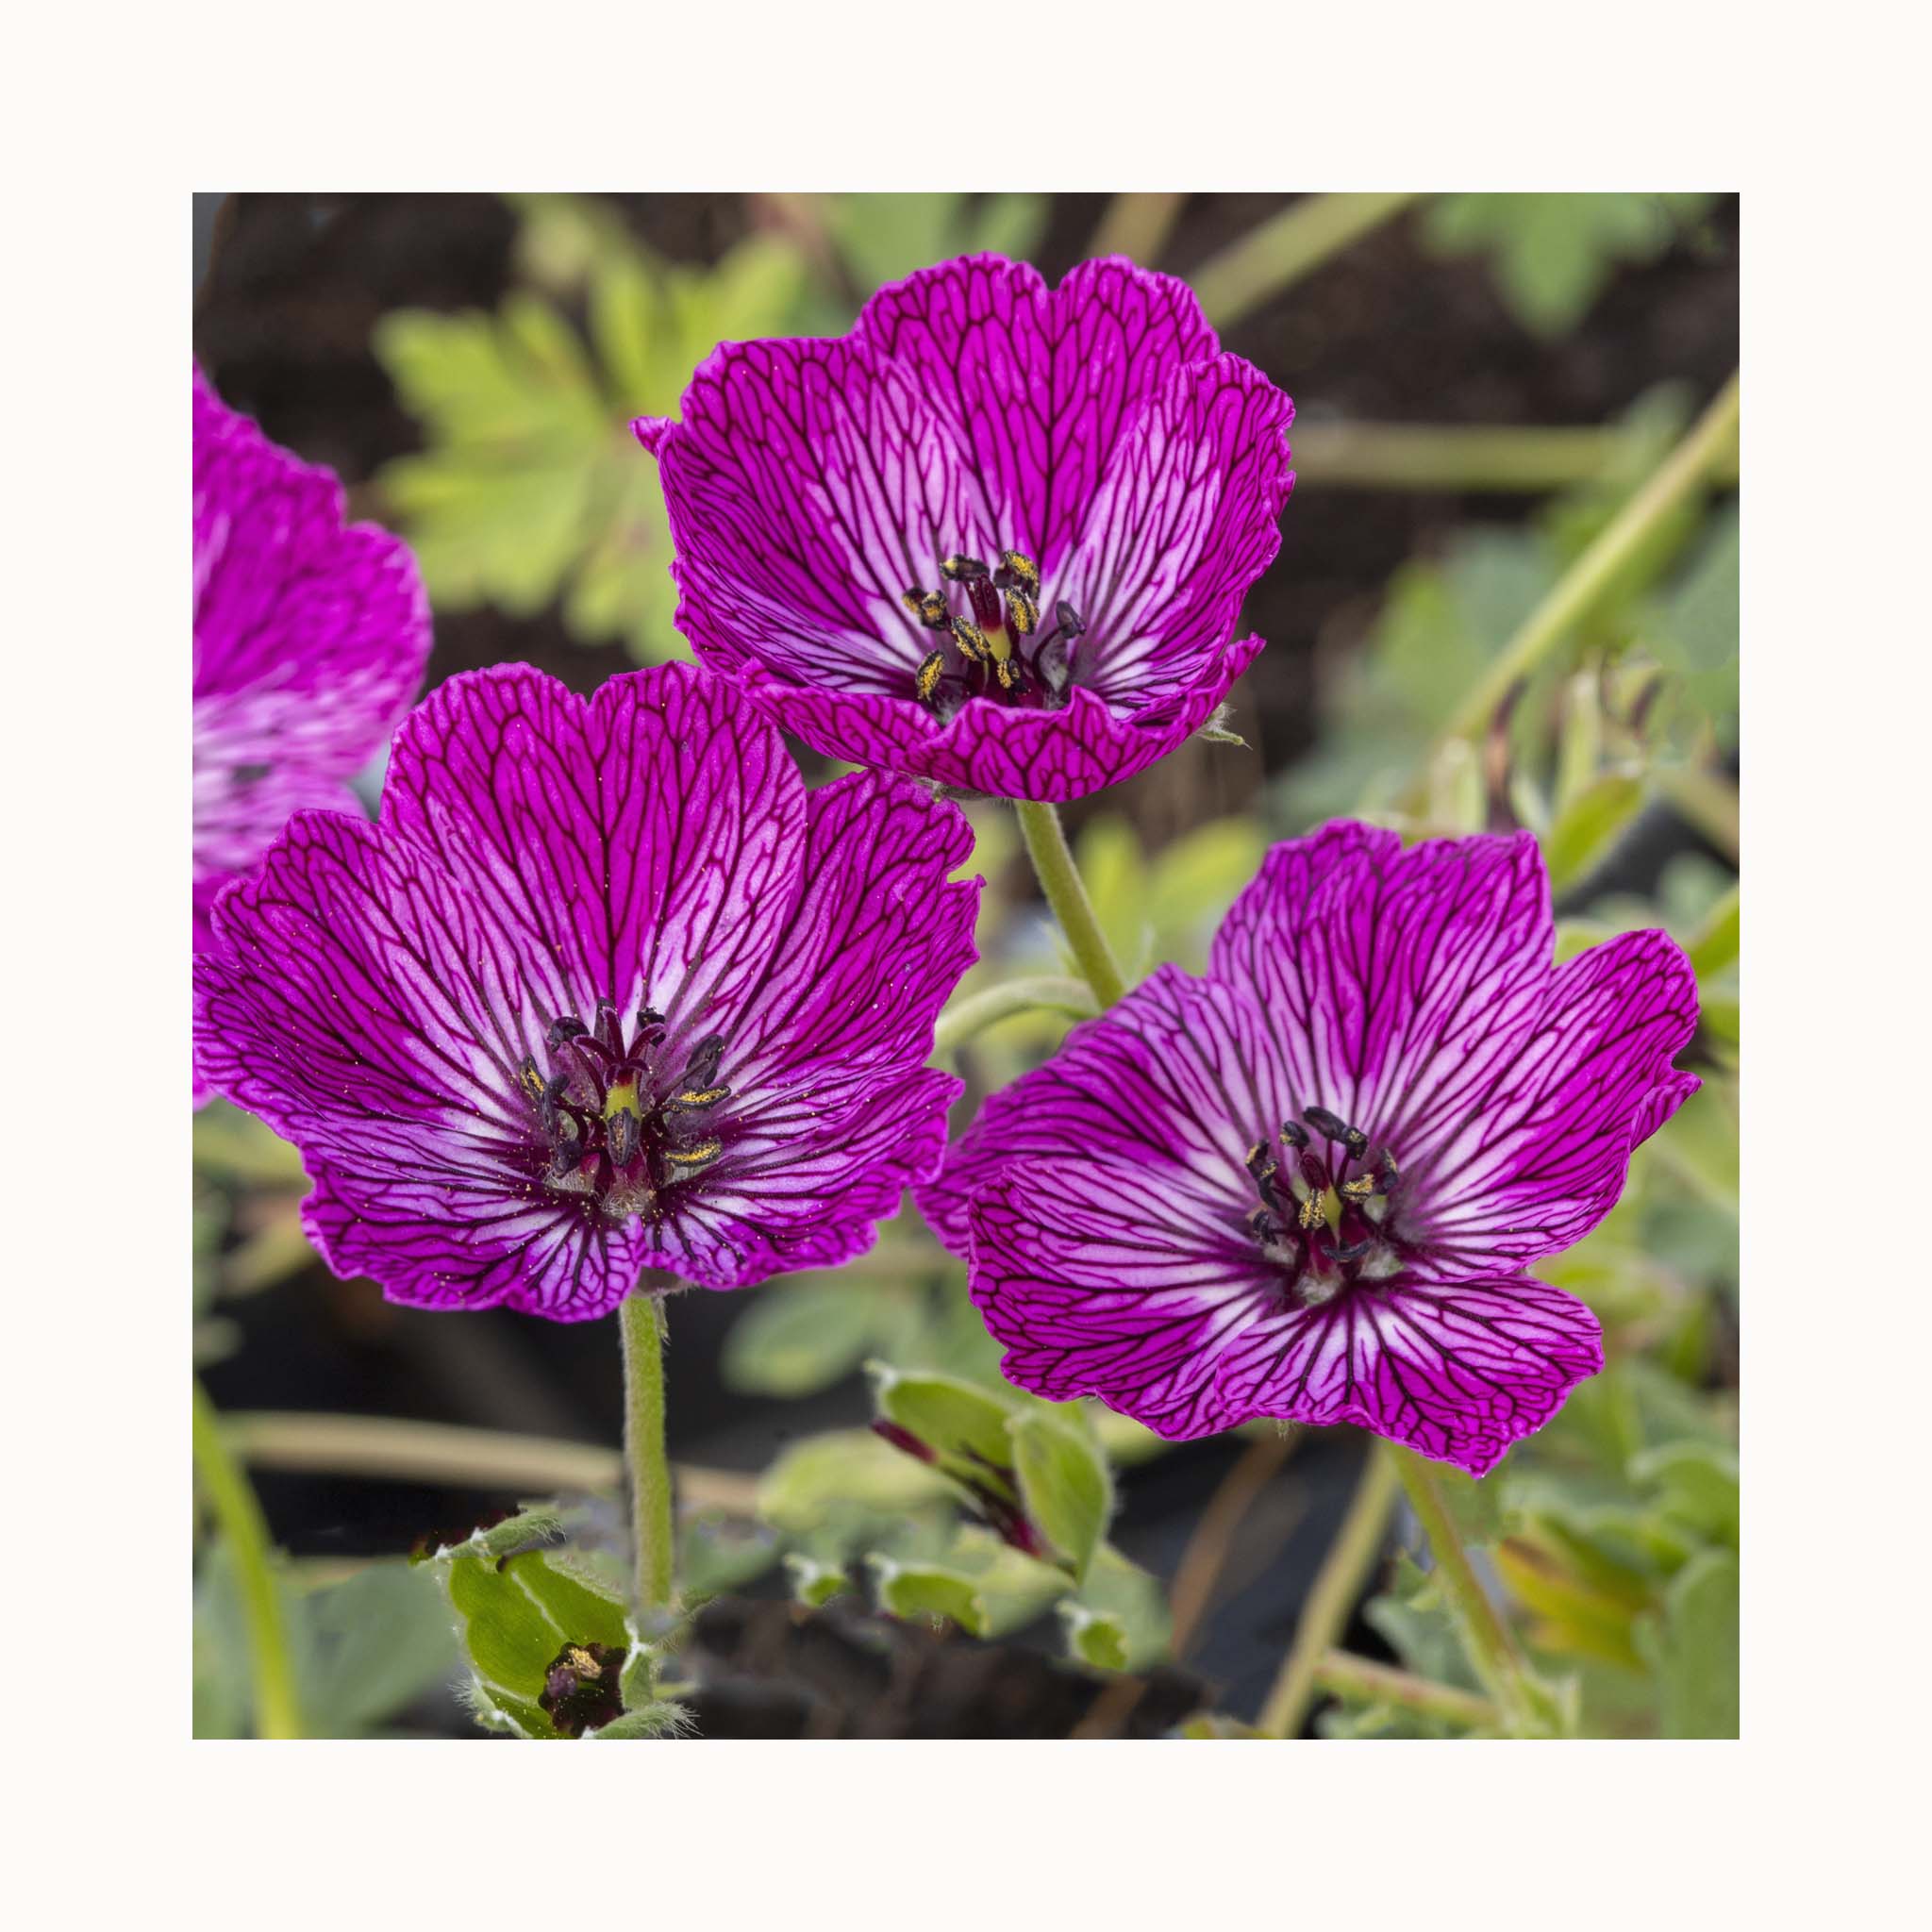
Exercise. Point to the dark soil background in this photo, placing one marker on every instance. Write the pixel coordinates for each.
(290, 288)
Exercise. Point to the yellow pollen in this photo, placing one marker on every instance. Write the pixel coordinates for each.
(695, 1156)
(1315, 1211)
(583, 1664)
(1003, 670)
(1024, 569)
(927, 681)
(1359, 1189)
(702, 1097)
(971, 639)
(1022, 610)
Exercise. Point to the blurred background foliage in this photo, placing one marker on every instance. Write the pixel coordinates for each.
(1484, 384)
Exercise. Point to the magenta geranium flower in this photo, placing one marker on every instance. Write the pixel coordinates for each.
(309, 642)
(604, 995)
(998, 535)
(1309, 1185)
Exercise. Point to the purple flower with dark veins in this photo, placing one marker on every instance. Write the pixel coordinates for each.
(997, 536)
(1309, 1185)
(309, 642)
(603, 996)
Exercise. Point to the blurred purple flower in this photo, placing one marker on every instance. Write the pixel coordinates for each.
(1306, 1185)
(997, 536)
(309, 642)
(603, 991)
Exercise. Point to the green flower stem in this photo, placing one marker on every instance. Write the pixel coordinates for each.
(1059, 879)
(974, 1014)
(1489, 1641)
(1682, 473)
(1266, 259)
(1337, 1585)
(1136, 225)
(1428, 455)
(277, 1709)
(1359, 1677)
(641, 1323)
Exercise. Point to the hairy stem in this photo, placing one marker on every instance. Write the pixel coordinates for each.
(1059, 879)
(1683, 472)
(1285, 248)
(641, 1323)
(277, 1709)
(1350, 1675)
(1338, 1583)
(1487, 1639)
(1431, 456)
(974, 1014)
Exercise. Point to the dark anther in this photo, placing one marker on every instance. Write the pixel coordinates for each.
(1356, 1142)
(650, 1016)
(962, 570)
(1315, 1211)
(697, 1097)
(530, 1080)
(1023, 570)
(1069, 618)
(912, 599)
(564, 1156)
(1358, 1190)
(971, 640)
(1262, 1165)
(1050, 666)
(1294, 1133)
(623, 1131)
(1386, 1176)
(1355, 1250)
(1332, 1126)
(932, 612)
(690, 1158)
(1007, 671)
(925, 680)
(566, 1026)
(1022, 612)
(701, 1069)
(580, 1687)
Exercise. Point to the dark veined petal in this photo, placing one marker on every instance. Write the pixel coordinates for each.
(1187, 517)
(309, 639)
(1039, 386)
(1540, 1156)
(809, 484)
(1193, 1337)
(1399, 981)
(1005, 754)
(642, 845)
(1174, 1083)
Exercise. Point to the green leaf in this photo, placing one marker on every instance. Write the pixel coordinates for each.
(815, 1583)
(928, 1591)
(1064, 1485)
(1119, 1619)
(1412, 1619)
(846, 1476)
(964, 1425)
(797, 1337)
(1699, 1482)
(372, 1644)
(1551, 256)
(1695, 1649)
(1587, 831)
(883, 238)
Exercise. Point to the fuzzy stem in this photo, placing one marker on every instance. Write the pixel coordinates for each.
(277, 1709)
(1282, 250)
(1681, 475)
(974, 1014)
(641, 1323)
(1337, 1585)
(1059, 879)
(1489, 1641)
(1431, 456)
(1347, 1674)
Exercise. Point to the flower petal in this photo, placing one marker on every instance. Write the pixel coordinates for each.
(1186, 518)
(641, 846)
(1177, 1081)
(809, 486)
(1037, 387)
(1529, 1162)
(1193, 1337)
(309, 641)
(1002, 753)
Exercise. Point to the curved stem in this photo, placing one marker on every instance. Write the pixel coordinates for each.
(277, 1709)
(1059, 879)
(1347, 1674)
(1489, 1642)
(641, 1325)
(1338, 1583)
(1282, 250)
(979, 1011)
(1681, 475)
(1136, 225)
